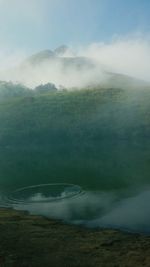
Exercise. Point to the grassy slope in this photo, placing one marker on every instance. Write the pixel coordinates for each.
(95, 138)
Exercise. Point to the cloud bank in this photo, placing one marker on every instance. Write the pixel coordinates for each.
(130, 56)
(90, 66)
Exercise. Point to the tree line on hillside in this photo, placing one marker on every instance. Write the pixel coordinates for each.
(10, 90)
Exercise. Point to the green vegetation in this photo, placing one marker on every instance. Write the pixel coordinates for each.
(46, 88)
(96, 138)
(10, 90)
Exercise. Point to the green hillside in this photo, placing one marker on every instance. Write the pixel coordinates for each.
(98, 139)
(9, 90)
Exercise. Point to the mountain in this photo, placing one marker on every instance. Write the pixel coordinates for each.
(117, 80)
(65, 69)
(48, 57)
(61, 50)
(40, 57)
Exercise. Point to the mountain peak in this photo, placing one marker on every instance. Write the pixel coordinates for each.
(61, 50)
(41, 56)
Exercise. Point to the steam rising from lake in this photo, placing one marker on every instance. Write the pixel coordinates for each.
(96, 209)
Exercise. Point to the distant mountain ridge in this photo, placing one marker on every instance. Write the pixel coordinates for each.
(64, 68)
(45, 55)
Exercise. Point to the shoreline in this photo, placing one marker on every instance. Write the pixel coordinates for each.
(35, 241)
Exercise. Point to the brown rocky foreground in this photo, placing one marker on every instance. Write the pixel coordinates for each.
(27, 241)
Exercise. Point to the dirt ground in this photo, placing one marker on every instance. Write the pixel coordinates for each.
(33, 241)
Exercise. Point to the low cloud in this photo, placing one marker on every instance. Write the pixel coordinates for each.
(130, 56)
(88, 66)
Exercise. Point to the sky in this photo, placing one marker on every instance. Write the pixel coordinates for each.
(34, 25)
(114, 33)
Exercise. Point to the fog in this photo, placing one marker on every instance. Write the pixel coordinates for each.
(130, 56)
(81, 66)
(98, 209)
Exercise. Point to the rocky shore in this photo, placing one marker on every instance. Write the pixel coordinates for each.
(34, 241)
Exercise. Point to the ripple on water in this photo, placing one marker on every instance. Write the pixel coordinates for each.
(43, 193)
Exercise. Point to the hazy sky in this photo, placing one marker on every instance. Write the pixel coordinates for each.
(32, 25)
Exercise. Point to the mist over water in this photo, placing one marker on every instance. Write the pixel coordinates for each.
(95, 209)
(115, 198)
